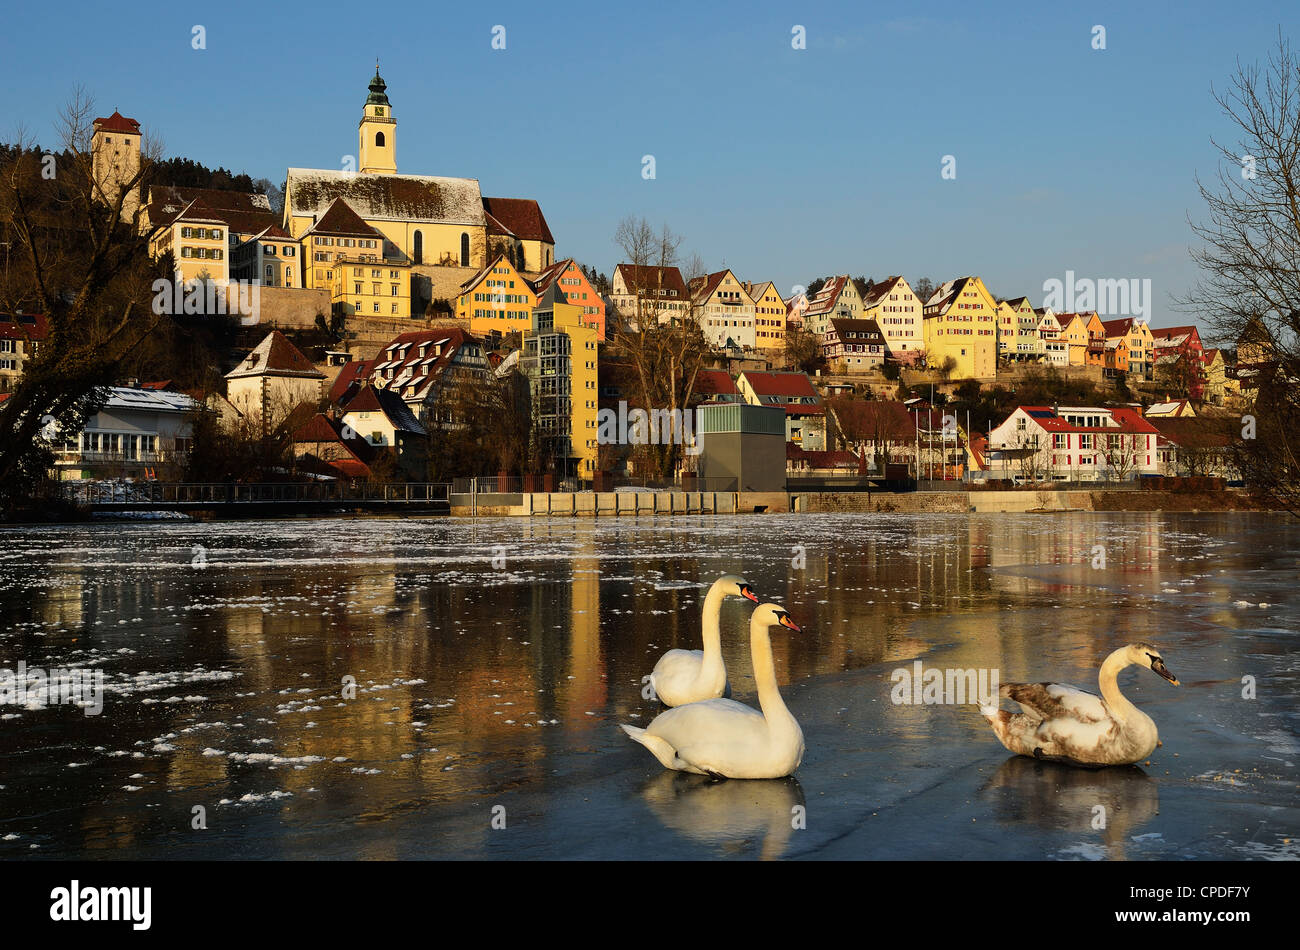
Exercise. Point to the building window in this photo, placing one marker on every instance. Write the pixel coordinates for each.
(379, 139)
(417, 248)
(464, 250)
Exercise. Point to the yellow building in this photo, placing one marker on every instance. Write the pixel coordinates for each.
(1024, 342)
(425, 219)
(769, 315)
(899, 314)
(345, 255)
(1139, 343)
(1216, 377)
(377, 132)
(960, 323)
(560, 359)
(497, 298)
(204, 227)
(1006, 327)
(199, 243)
(115, 161)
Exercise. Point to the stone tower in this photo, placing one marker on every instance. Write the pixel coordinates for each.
(378, 132)
(115, 160)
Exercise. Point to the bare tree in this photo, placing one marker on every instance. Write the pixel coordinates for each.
(74, 255)
(664, 344)
(1249, 255)
(1121, 451)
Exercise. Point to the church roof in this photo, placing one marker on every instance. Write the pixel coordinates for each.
(521, 217)
(377, 94)
(117, 123)
(310, 192)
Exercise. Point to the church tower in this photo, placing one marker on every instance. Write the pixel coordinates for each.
(378, 131)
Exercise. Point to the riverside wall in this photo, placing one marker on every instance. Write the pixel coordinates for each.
(638, 504)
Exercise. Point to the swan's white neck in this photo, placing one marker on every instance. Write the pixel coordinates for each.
(712, 665)
(775, 712)
(1108, 678)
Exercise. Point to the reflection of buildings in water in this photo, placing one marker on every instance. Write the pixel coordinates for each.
(728, 815)
(581, 687)
(1060, 797)
(899, 571)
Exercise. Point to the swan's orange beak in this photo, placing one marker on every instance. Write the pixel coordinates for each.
(787, 622)
(748, 592)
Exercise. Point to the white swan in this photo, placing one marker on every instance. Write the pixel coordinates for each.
(1066, 724)
(687, 676)
(724, 738)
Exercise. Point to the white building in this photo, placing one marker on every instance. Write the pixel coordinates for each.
(724, 310)
(1056, 348)
(1075, 443)
(136, 432)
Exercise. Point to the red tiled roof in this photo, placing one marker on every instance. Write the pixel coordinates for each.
(31, 326)
(339, 218)
(1116, 328)
(645, 278)
(876, 292)
(715, 382)
(1167, 332)
(320, 428)
(824, 301)
(274, 232)
(350, 374)
(780, 384)
(1129, 420)
(371, 399)
(317, 429)
(117, 123)
(702, 288)
(521, 217)
(847, 328)
(766, 386)
(275, 356)
(242, 212)
(418, 384)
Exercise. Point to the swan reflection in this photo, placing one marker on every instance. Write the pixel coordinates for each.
(1055, 796)
(729, 814)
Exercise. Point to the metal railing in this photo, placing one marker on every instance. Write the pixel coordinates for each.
(190, 494)
(520, 484)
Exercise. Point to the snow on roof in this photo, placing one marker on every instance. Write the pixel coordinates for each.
(275, 356)
(429, 198)
(148, 400)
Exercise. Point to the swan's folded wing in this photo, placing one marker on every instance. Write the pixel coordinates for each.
(1057, 701)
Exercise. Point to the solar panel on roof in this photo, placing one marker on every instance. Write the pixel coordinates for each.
(1042, 413)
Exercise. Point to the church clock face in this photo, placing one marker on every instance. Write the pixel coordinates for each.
(379, 110)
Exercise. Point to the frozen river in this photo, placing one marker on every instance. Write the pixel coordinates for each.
(493, 662)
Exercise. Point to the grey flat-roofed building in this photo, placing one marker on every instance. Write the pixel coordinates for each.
(742, 447)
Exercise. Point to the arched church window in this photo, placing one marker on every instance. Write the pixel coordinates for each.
(464, 250)
(379, 140)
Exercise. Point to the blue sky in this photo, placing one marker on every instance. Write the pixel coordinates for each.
(782, 164)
